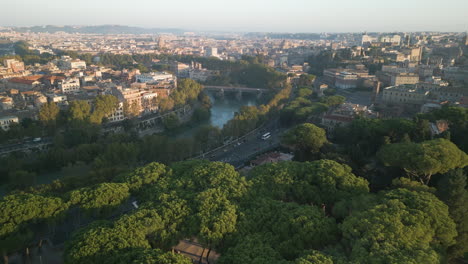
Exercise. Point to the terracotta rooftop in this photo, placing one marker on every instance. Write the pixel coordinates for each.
(26, 79)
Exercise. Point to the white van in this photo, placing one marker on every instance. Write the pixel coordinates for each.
(266, 136)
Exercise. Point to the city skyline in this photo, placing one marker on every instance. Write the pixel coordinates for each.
(247, 16)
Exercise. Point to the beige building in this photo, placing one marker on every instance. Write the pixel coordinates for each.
(14, 65)
(6, 103)
(403, 78)
(405, 94)
(6, 121)
(67, 63)
(346, 80)
(71, 85)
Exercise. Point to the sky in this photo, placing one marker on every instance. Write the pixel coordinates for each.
(245, 15)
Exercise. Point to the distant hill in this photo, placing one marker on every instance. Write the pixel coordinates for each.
(103, 29)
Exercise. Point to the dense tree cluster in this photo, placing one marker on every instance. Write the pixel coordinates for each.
(287, 212)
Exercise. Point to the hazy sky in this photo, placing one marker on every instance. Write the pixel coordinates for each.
(245, 15)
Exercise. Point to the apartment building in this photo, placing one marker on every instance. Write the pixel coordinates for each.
(71, 85)
(6, 121)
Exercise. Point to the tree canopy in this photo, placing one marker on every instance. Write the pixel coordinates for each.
(305, 138)
(404, 227)
(424, 159)
(48, 113)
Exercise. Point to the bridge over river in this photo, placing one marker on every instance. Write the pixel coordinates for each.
(220, 90)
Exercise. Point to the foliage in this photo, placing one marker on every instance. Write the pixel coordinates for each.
(305, 138)
(457, 118)
(318, 182)
(289, 228)
(424, 159)
(252, 250)
(406, 183)
(144, 175)
(79, 110)
(304, 92)
(208, 137)
(363, 137)
(48, 113)
(217, 216)
(333, 100)
(201, 114)
(187, 91)
(104, 105)
(171, 121)
(100, 196)
(306, 80)
(406, 227)
(117, 154)
(19, 209)
(314, 257)
(99, 241)
(452, 189)
(301, 109)
(154, 256)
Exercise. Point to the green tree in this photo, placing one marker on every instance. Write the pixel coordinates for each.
(404, 227)
(104, 105)
(422, 160)
(79, 110)
(314, 257)
(144, 175)
(187, 91)
(289, 228)
(321, 182)
(48, 113)
(100, 197)
(201, 114)
(20, 212)
(333, 100)
(457, 118)
(117, 155)
(305, 92)
(217, 216)
(131, 110)
(166, 104)
(208, 137)
(171, 121)
(305, 138)
(154, 256)
(99, 241)
(252, 250)
(18, 209)
(306, 80)
(452, 189)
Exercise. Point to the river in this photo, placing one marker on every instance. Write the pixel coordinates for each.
(222, 110)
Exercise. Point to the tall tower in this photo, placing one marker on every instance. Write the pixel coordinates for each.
(161, 43)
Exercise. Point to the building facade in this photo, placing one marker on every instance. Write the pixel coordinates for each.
(6, 121)
(71, 85)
